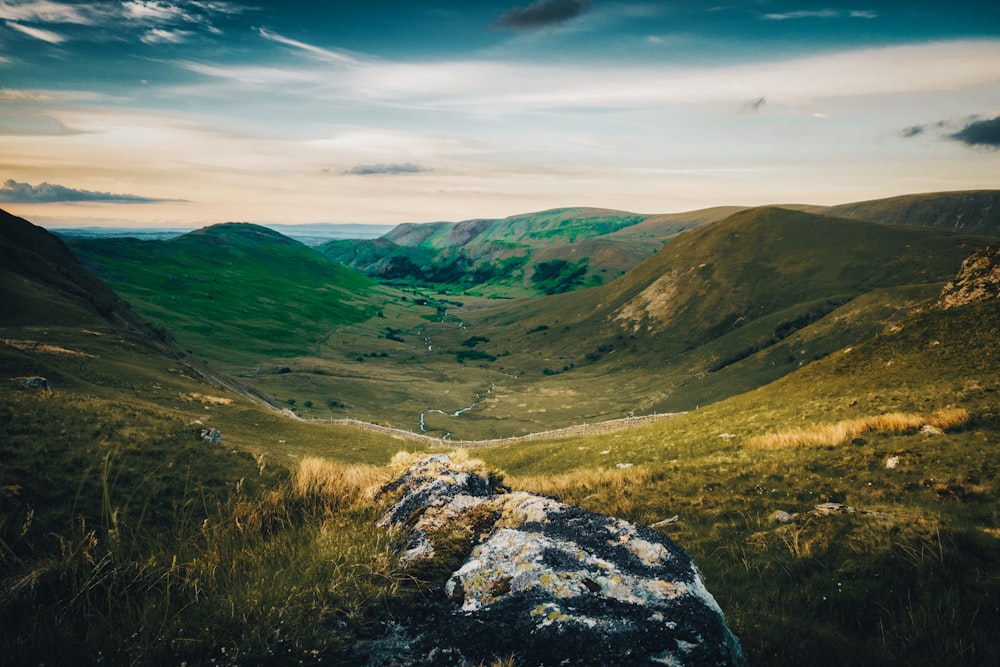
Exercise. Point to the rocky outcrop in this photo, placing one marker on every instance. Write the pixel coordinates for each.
(977, 280)
(545, 583)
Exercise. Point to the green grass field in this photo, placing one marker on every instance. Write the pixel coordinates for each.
(127, 538)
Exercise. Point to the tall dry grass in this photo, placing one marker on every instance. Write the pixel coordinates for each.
(843, 432)
(319, 478)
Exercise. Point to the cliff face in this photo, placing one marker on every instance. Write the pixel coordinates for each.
(977, 280)
(548, 583)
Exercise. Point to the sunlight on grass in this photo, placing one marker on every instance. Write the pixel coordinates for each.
(843, 432)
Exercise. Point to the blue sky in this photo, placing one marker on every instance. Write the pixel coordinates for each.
(188, 112)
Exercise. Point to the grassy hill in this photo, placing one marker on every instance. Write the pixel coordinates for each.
(237, 293)
(127, 538)
(547, 252)
(970, 212)
(717, 311)
(721, 309)
(908, 575)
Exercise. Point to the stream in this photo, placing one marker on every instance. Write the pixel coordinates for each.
(456, 413)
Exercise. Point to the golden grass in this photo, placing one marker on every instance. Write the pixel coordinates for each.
(587, 481)
(460, 457)
(318, 478)
(842, 432)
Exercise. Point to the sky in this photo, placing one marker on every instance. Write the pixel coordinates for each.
(191, 112)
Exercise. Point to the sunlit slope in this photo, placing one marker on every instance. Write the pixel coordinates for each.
(710, 282)
(724, 309)
(233, 292)
(901, 567)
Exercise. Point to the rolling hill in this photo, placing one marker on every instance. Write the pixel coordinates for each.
(717, 311)
(237, 293)
(547, 252)
(969, 212)
(722, 308)
(127, 538)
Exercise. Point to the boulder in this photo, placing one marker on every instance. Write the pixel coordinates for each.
(528, 577)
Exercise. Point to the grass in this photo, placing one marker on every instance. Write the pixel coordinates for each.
(236, 292)
(126, 539)
(220, 560)
(844, 432)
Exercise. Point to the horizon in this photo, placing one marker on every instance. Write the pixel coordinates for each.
(156, 113)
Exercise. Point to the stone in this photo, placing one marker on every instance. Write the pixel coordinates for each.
(39, 383)
(781, 516)
(545, 582)
(210, 435)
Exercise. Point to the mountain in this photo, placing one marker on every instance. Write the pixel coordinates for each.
(128, 536)
(548, 252)
(717, 311)
(42, 282)
(557, 251)
(235, 292)
(969, 212)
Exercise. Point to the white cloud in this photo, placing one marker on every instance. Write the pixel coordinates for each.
(161, 36)
(45, 11)
(325, 54)
(37, 33)
(822, 14)
(490, 88)
(152, 11)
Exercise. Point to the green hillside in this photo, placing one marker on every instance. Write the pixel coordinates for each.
(235, 292)
(719, 310)
(843, 512)
(548, 252)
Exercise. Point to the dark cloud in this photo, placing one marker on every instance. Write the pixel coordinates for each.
(396, 168)
(980, 134)
(972, 131)
(46, 193)
(542, 14)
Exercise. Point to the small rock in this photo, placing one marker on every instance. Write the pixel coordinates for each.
(666, 522)
(927, 429)
(892, 462)
(781, 516)
(210, 435)
(39, 383)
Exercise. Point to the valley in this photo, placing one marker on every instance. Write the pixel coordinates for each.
(720, 310)
(741, 366)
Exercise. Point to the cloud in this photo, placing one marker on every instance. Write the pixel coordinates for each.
(912, 131)
(980, 134)
(152, 21)
(821, 14)
(394, 168)
(45, 11)
(542, 14)
(326, 54)
(37, 33)
(143, 10)
(46, 193)
(161, 36)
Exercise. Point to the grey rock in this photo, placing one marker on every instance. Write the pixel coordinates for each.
(548, 583)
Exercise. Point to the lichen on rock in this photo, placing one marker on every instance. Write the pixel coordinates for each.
(545, 582)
